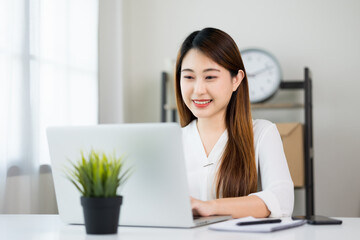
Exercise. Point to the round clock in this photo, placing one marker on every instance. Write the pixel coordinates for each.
(263, 73)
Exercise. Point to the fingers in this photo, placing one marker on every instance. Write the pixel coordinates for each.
(199, 207)
(194, 206)
(193, 202)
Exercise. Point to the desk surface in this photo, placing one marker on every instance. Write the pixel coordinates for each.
(47, 227)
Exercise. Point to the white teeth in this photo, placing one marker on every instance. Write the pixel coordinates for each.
(202, 102)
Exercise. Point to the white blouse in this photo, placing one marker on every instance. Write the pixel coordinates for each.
(275, 186)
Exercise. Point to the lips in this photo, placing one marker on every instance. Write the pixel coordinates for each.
(201, 103)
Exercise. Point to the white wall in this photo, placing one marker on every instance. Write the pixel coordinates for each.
(323, 35)
(111, 101)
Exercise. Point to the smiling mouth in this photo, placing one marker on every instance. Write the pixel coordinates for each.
(202, 101)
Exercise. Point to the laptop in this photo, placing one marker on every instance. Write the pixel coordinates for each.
(155, 195)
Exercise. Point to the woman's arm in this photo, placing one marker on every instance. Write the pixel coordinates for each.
(236, 207)
(276, 199)
(277, 188)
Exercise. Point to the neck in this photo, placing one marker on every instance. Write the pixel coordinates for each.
(211, 125)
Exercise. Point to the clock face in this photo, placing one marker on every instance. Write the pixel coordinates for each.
(263, 73)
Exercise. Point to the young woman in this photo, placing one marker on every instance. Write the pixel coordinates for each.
(236, 166)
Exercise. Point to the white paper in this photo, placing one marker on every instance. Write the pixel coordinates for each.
(230, 225)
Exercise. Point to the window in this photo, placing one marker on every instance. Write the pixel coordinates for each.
(48, 74)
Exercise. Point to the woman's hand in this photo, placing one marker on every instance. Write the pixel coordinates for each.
(236, 207)
(202, 208)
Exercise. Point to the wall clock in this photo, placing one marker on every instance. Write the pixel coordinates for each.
(263, 73)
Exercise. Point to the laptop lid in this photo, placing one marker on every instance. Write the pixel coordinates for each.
(157, 192)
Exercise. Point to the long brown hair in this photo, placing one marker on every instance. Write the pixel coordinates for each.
(237, 174)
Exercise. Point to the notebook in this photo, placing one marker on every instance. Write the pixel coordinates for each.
(155, 195)
(230, 225)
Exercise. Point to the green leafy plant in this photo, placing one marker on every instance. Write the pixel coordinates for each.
(98, 175)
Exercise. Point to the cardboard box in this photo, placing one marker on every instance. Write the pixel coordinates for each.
(292, 136)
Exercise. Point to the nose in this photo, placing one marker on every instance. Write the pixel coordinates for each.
(200, 87)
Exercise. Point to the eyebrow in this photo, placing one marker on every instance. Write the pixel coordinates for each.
(206, 70)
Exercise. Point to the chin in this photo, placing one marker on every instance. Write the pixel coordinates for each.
(199, 114)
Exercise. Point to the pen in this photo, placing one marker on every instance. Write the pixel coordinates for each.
(259, 222)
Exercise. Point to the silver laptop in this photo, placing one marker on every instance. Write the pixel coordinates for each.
(155, 195)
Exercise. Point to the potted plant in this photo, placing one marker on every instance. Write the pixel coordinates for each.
(97, 176)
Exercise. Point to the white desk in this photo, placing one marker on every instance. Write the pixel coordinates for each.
(48, 227)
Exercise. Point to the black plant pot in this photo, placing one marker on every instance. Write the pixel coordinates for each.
(101, 214)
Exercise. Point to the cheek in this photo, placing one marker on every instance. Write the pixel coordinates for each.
(225, 91)
(185, 89)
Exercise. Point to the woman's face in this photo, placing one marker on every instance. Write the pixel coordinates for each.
(206, 87)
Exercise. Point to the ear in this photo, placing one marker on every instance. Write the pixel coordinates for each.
(237, 79)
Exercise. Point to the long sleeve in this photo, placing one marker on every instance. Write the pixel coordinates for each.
(277, 188)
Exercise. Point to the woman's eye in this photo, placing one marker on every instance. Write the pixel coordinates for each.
(210, 77)
(188, 77)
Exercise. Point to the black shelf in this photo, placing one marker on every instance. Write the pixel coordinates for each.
(305, 85)
(164, 106)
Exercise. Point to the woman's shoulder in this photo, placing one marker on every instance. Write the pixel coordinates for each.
(259, 124)
(190, 125)
(190, 128)
(260, 127)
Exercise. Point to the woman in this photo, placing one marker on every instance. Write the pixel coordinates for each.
(227, 153)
